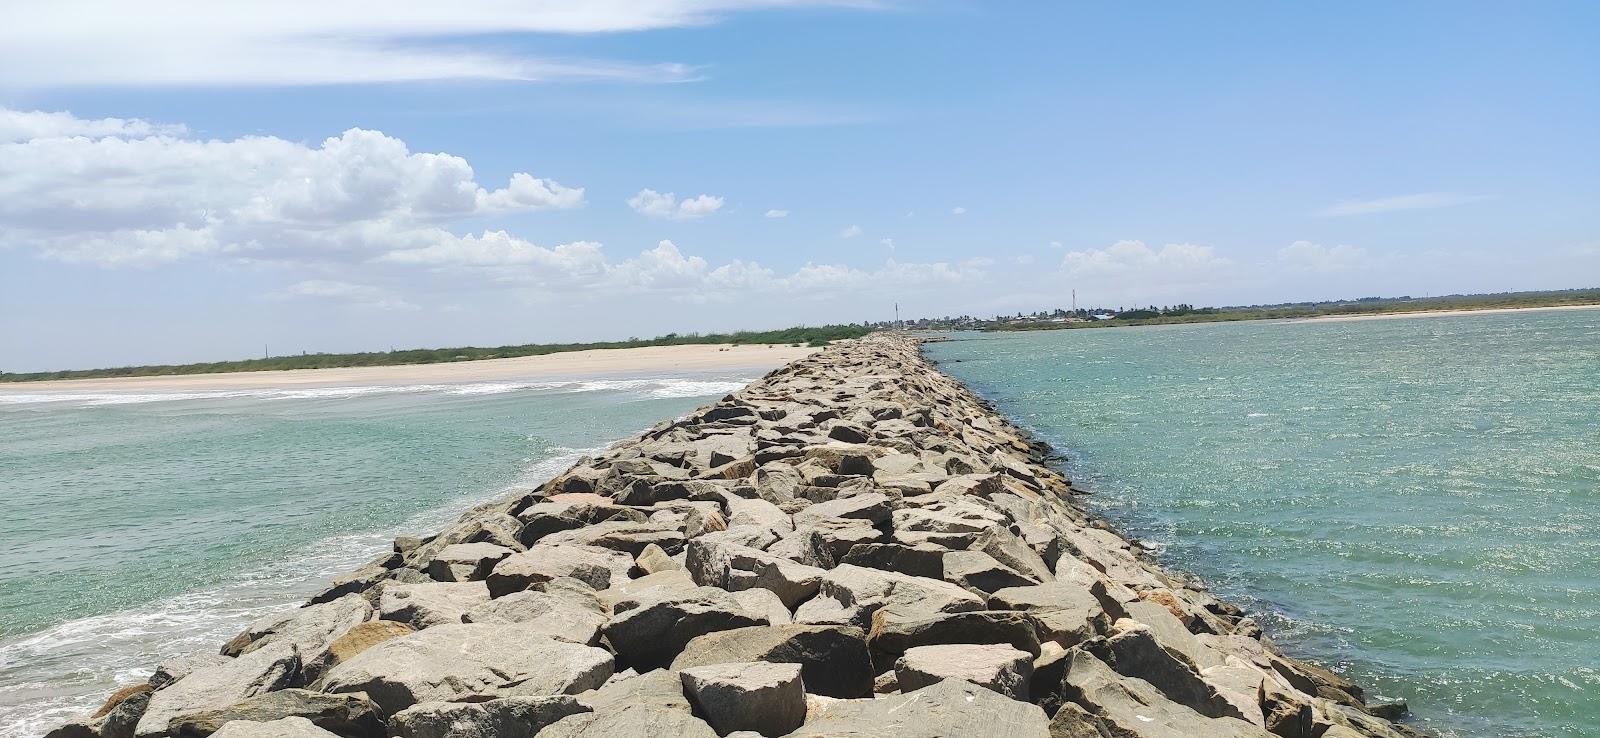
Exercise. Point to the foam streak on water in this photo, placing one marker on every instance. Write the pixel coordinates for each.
(1413, 502)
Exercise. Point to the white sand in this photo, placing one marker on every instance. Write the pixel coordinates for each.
(1439, 313)
(649, 360)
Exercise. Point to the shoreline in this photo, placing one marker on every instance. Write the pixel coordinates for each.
(1442, 313)
(587, 364)
(857, 525)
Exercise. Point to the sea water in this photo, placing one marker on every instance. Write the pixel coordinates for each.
(138, 527)
(1414, 502)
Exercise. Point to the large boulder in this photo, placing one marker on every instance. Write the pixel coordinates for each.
(766, 698)
(833, 659)
(499, 718)
(998, 667)
(1068, 611)
(350, 715)
(454, 662)
(651, 628)
(462, 562)
(267, 669)
(598, 567)
(733, 568)
(944, 710)
(1134, 707)
(289, 727)
(426, 605)
(1135, 653)
(566, 618)
(892, 634)
(850, 595)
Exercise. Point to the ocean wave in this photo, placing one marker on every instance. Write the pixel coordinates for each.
(654, 388)
(59, 673)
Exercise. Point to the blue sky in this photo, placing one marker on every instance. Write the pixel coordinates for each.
(956, 157)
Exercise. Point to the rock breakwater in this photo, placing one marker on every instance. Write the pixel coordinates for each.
(854, 545)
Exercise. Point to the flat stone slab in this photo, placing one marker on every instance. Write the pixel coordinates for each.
(758, 696)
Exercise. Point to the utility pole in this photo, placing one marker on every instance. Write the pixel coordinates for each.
(1074, 301)
(897, 323)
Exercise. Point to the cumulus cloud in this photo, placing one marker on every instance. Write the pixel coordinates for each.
(362, 295)
(117, 192)
(300, 42)
(1314, 257)
(1126, 257)
(775, 213)
(850, 231)
(1419, 201)
(654, 204)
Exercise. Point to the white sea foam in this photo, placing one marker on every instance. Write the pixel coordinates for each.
(57, 674)
(655, 387)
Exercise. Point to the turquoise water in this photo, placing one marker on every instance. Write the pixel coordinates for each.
(1415, 502)
(139, 527)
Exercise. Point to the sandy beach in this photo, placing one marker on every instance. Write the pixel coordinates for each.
(574, 364)
(1442, 313)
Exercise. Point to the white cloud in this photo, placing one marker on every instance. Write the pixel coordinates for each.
(1024, 259)
(777, 213)
(889, 242)
(1419, 201)
(361, 295)
(666, 205)
(301, 42)
(1314, 257)
(120, 193)
(1055, 244)
(958, 210)
(1130, 257)
(23, 125)
(850, 231)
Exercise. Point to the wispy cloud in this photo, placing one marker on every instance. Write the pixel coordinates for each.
(776, 213)
(305, 42)
(1418, 201)
(850, 231)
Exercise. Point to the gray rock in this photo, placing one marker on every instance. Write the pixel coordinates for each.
(1171, 633)
(649, 629)
(309, 629)
(850, 595)
(947, 709)
(824, 544)
(501, 718)
(350, 715)
(463, 562)
(833, 659)
(267, 669)
(427, 605)
(628, 537)
(998, 667)
(763, 603)
(452, 662)
(921, 560)
(871, 507)
(979, 572)
(290, 727)
(1134, 707)
(758, 512)
(659, 688)
(634, 721)
(171, 671)
(766, 698)
(559, 617)
(1068, 611)
(892, 633)
(598, 567)
(653, 560)
(733, 567)
(1135, 653)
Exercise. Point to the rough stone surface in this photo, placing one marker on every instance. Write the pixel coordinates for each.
(648, 631)
(551, 614)
(504, 717)
(426, 605)
(944, 710)
(216, 687)
(289, 727)
(756, 696)
(453, 662)
(999, 667)
(351, 715)
(833, 659)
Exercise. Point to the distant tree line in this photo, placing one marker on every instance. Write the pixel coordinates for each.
(799, 335)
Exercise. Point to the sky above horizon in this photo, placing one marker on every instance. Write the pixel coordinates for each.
(185, 181)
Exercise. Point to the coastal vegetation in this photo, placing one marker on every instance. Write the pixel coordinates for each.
(1101, 317)
(807, 335)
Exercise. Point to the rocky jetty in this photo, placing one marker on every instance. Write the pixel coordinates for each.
(854, 545)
